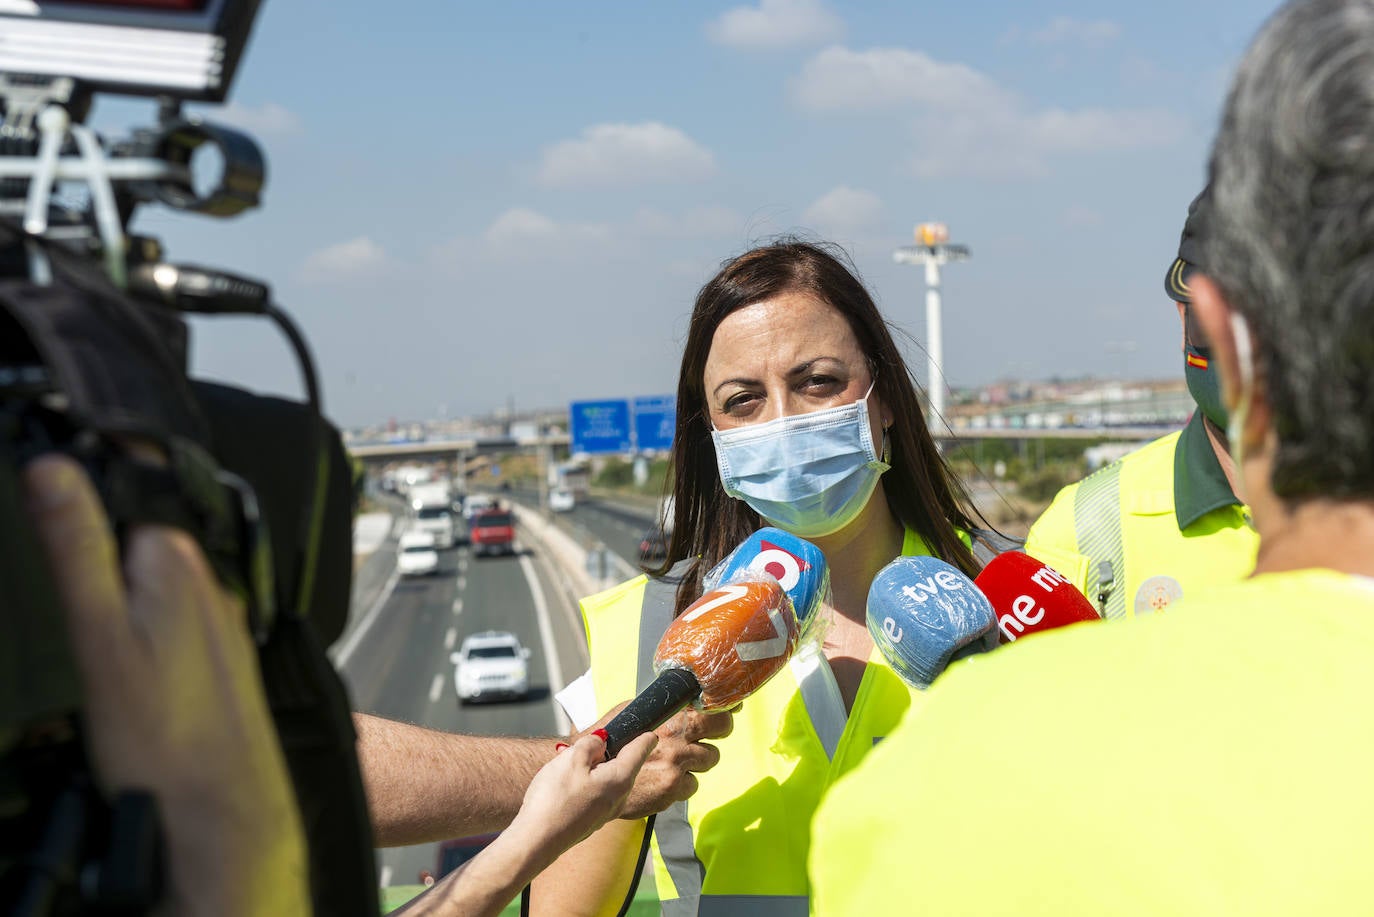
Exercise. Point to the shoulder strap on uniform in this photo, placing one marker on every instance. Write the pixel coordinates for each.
(1097, 525)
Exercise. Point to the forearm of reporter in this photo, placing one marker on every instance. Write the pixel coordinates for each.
(424, 785)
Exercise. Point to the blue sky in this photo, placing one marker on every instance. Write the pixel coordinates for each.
(479, 204)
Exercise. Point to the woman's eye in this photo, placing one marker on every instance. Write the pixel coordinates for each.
(735, 404)
(820, 383)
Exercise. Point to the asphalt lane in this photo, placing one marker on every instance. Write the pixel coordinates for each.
(400, 667)
(619, 527)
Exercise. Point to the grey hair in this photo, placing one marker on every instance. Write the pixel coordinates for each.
(1291, 240)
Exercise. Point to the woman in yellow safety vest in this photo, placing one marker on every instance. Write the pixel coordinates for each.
(789, 369)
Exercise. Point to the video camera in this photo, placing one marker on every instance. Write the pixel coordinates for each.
(93, 356)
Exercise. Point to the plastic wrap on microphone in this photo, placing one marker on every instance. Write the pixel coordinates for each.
(1029, 596)
(732, 639)
(924, 614)
(797, 565)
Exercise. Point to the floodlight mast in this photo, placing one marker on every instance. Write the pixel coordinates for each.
(932, 249)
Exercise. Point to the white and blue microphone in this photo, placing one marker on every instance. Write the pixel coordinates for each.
(797, 565)
(924, 614)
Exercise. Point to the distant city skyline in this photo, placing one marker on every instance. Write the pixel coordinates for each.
(471, 204)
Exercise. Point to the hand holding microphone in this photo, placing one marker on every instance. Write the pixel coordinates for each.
(730, 641)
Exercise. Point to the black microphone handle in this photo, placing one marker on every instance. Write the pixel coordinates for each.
(655, 705)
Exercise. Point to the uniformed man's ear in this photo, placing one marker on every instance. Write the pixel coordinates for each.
(1182, 325)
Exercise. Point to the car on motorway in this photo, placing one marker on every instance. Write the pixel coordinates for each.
(476, 503)
(492, 531)
(491, 664)
(417, 554)
(454, 853)
(561, 500)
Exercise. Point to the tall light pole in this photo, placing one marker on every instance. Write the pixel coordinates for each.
(932, 249)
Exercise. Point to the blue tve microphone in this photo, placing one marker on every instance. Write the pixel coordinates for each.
(924, 614)
(797, 565)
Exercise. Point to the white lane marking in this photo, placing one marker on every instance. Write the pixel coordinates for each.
(386, 877)
(436, 686)
(462, 582)
(551, 664)
(450, 638)
(355, 638)
(457, 606)
(462, 565)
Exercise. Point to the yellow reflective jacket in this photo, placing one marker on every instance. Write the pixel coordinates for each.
(740, 844)
(1214, 762)
(1149, 529)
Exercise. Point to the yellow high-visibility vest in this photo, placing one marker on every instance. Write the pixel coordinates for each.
(1211, 762)
(1149, 529)
(739, 845)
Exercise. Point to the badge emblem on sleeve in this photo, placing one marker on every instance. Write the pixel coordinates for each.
(1156, 594)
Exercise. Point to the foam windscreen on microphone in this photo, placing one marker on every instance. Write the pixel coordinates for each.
(1029, 596)
(733, 639)
(794, 562)
(923, 614)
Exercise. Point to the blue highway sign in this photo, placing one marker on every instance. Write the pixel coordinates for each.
(655, 418)
(600, 426)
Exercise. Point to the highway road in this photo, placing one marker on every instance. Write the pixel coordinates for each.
(395, 656)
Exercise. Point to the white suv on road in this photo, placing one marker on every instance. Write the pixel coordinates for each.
(416, 554)
(491, 664)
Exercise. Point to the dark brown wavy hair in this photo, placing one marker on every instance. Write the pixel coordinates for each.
(922, 492)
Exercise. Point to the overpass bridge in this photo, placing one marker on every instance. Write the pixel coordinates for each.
(462, 449)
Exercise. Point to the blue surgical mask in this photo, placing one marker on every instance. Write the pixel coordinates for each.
(809, 474)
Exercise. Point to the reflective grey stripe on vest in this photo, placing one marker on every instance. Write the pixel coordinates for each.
(821, 694)
(1097, 525)
(739, 906)
(671, 827)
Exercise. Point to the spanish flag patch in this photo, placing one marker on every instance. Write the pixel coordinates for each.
(1197, 360)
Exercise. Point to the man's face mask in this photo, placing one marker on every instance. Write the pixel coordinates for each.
(1200, 373)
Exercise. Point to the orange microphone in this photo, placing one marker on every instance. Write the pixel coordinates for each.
(720, 650)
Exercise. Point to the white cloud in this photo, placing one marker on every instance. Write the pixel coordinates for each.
(268, 119)
(838, 78)
(963, 122)
(1094, 34)
(360, 257)
(625, 154)
(520, 231)
(775, 24)
(844, 209)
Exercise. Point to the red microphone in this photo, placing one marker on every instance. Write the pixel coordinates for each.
(720, 650)
(1029, 596)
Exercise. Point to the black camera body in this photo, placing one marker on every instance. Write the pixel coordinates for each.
(93, 357)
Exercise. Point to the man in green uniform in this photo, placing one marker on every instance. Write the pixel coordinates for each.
(1214, 761)
(1163, 521)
